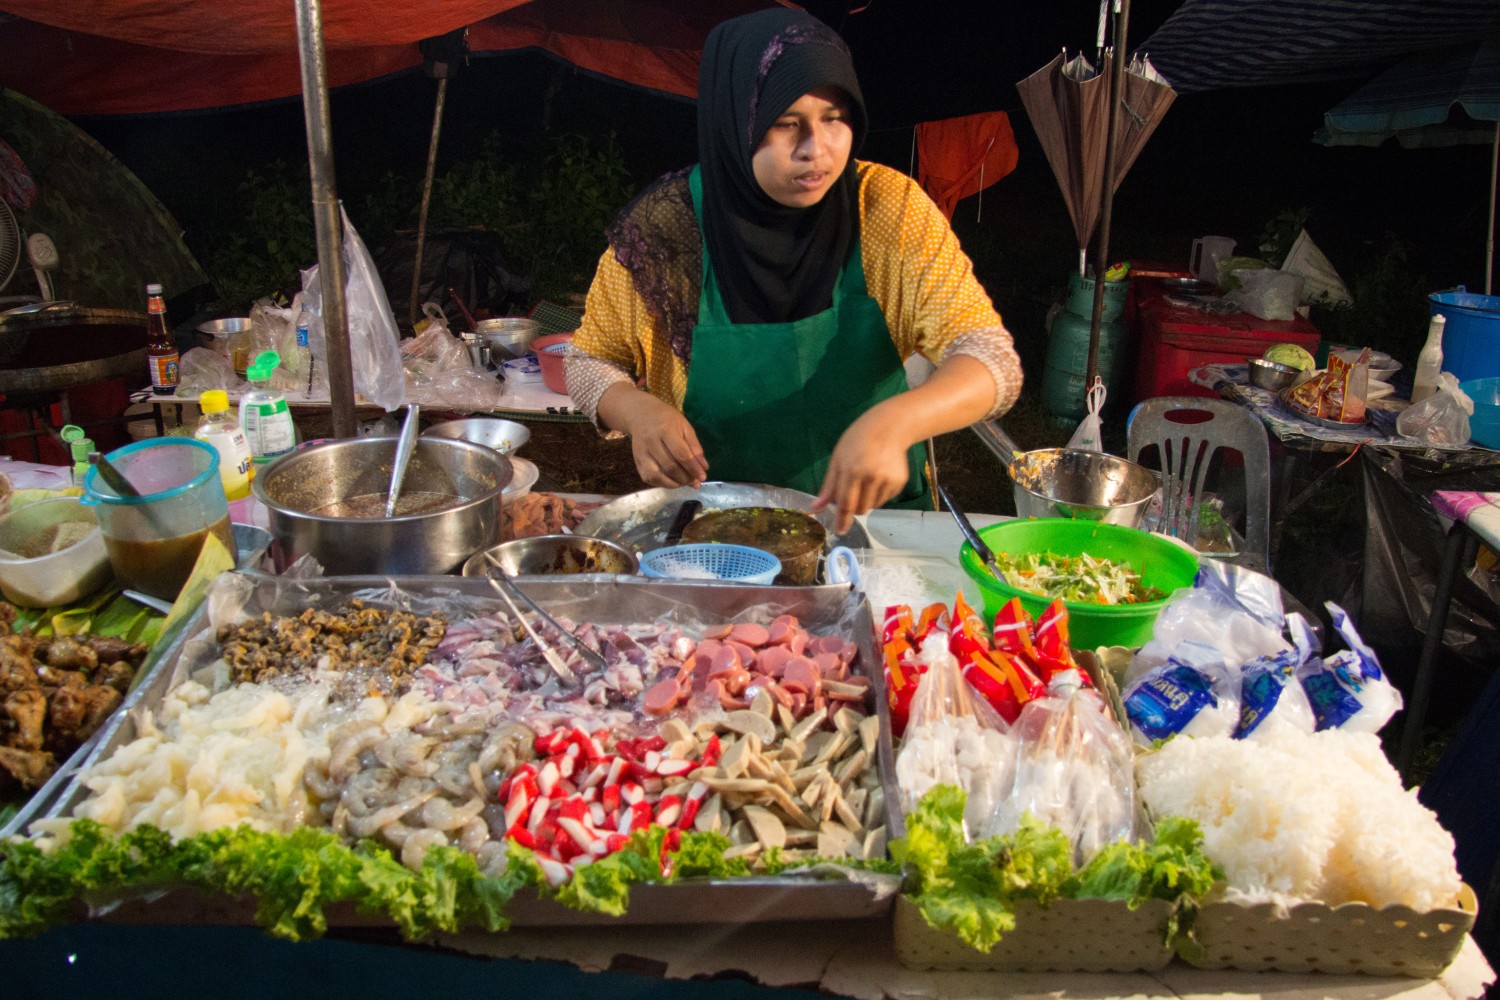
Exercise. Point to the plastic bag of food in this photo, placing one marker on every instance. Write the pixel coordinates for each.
(1348, 690)
(1271, 698)
(1193, 694)
(1074, 770)
(1442, 418)
(953, 738)
(201, 369)
(373, 337)
(1235, 610)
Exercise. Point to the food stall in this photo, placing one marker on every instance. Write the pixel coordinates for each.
(419, 765)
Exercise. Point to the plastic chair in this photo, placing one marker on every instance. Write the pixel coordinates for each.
(1188, 431)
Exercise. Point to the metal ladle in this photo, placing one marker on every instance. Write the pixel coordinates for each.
(404, 446)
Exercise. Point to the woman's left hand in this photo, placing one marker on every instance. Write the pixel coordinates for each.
(867, 469)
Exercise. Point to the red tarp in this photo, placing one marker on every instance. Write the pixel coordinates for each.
(120, 57)
(958, 157)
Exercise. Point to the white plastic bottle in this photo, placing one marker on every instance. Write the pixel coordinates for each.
(1429, 361)
(220, 429)
(264, 416)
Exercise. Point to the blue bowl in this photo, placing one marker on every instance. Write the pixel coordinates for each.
(1484, 424)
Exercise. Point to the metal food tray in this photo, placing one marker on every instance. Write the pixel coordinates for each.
(250, 545)
(607, 600)
(639, 521)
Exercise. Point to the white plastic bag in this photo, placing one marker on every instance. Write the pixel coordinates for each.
(374, 354)
(1442, 418)
(1269, 294)
(1090, 432)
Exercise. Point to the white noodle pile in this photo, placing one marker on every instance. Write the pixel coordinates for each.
(1314, 816)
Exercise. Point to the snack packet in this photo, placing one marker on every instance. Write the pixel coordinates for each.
(898, 647)
(1348, 690)
(1336, 394)
(1193, 693)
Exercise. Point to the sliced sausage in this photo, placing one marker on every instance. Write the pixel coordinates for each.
(828, 664)
(790, 620)
(718, 631)
(797, 642)
(750, 634)
(779, 631)
(772, 659)
(800, 674)
(725, 660)
(662, 697)
(826, 644)
(747, 654)
(708, 647)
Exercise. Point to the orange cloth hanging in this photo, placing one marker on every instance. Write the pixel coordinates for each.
(956, 157)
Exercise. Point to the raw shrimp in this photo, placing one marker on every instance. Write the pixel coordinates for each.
(397, 833)
(492, 858)
(454, 779)
(369, 824)
(414, 851)
(319, 782)
(474, 834)
(367, 789)
(509, 744)
(344, 760)
(407, 753)
(440, 814)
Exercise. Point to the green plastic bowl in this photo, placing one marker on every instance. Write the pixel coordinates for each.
(1161, 563)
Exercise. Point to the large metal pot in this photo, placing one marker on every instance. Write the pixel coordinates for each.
(293, 488)
(1068, 482)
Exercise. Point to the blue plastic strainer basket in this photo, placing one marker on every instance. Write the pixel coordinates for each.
(711, 561)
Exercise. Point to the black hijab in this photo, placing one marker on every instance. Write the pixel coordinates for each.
(774, 264)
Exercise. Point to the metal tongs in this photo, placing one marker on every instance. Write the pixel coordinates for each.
(505, 587)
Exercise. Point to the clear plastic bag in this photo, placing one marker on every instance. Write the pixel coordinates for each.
(1235, 610)
(953, 738)
(373, 338)
(439, 372)
(1348, 690)
(201, 369)
(1193, 694)
(1074, 770)
(1442, 418)
(1271, 698)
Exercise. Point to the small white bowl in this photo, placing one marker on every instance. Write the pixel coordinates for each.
(523, 477)
(54, 578)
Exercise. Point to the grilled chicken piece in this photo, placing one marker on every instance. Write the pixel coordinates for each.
(25, 710)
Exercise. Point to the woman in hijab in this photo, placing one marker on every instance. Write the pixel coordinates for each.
(769, 295)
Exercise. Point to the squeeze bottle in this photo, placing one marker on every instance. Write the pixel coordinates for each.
(79, 445)
(264, 416)
(1429, 361)
(220, 429)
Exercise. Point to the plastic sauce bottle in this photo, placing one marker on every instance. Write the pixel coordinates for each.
(264, 416)
(1429, 361)
(79, 445)
(220, 429)
(161, 348)
(300, 363)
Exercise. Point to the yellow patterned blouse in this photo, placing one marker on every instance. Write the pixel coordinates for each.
(914, 267)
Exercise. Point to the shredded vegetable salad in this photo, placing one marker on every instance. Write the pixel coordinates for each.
(1084, 578)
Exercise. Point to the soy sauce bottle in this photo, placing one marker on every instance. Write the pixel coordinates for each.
(161, 348)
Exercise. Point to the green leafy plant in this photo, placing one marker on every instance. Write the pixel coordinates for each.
(265, 236)
(1389, 312)
(1280, 233)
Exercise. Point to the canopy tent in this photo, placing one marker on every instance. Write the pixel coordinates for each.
(1442, 97)
(1212, 44)
(81, 57)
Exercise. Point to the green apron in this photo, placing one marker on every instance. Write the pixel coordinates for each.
(770, 400)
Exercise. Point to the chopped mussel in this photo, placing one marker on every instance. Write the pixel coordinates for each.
(392, 642)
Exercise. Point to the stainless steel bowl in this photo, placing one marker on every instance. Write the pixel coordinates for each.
(1087, 485)
(1270, 374)
(505, 436)
(508, 337)
(436, 541)
(549, 555)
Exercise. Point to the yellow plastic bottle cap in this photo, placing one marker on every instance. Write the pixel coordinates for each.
(214, 401)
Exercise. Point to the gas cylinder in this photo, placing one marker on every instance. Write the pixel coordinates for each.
(1066, 372)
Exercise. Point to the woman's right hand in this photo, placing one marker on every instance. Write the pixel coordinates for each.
(665, 446)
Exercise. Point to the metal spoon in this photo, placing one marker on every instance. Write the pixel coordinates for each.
(967, 527)
(154, 603)
(404, 446)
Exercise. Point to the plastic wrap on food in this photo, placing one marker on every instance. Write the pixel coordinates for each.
(1073, 770)
(1192, 694)
(1348, 690)
(1235, 610)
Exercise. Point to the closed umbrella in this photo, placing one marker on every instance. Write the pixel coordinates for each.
(1068, 101)
(1414, 102)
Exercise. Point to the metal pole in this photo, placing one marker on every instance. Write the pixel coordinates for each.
(1101, 258)
(432, 148)
(1489, 245)
(326, 223)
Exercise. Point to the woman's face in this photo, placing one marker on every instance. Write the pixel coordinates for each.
(805, 150)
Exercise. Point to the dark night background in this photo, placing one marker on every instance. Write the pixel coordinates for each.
(1222, 162)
